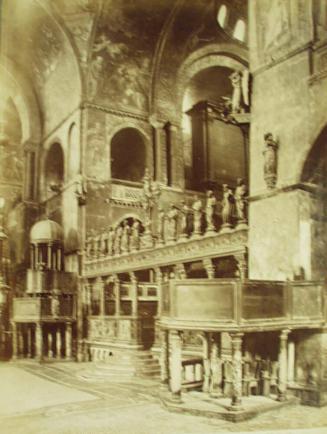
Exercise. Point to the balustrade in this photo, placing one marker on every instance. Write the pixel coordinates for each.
(175, 225)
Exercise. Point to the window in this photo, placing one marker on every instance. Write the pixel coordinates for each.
(239, 31)
(222, 16)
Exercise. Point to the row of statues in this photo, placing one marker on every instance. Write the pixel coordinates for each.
(179, 223)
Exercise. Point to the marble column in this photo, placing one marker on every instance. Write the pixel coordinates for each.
(164, 359)
(159, 281)
(180, 271)
(59, 259)
(117, 296)
(49, 256)
(175, 367)
(29, 340)
(282, 361)
(160, 151)
(206, 361)
(215, 367)
(14, 341)
(50, 344)
(38, 341)
(209, 267)
(291, 361)
(20, 337)
(242, 266)
(58, 343)
(133, 294)
(101, 289)
(236, 340)
(32, 259)
(68, 340)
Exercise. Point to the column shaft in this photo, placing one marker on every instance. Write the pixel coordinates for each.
(206, 361)
(68, 340)
(58, 343)
(164, 358)
(282, 361)
(237, 371)
(38, 341)
(175, 364)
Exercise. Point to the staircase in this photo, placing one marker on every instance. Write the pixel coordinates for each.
(125, 364)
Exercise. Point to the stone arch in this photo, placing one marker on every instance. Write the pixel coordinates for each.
(129, 165)
(223, 55)
(73, 154)
(314, 168)
(54, 168)
(15, 84)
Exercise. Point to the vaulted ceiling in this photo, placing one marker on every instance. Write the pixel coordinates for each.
(109, 52)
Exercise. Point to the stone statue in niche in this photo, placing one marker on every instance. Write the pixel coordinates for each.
(228, 204)
(80, 189)
(118, 236)
(161, 226)
(111, 241)
(241, 203)
(197, 216)
(241, 96)
(135, 236)
(125, 237)
(172, 217)
(210, 212)
(270, 161)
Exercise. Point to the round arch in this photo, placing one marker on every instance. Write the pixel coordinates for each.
(215, 55)
(129, 154)
(53, 168)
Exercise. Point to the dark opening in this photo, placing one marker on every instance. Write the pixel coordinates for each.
(128, 155)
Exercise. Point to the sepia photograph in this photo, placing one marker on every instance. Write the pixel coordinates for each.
(163, 216)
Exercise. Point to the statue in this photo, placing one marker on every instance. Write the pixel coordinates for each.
(172, 216)
(118, 236)
(270, 161)
(135, 236)
(111, 241)
(241, 95)
(184, 213)
(55, 306)
(161, 225)
(227, 208)
(80, 189)
(197, 216)
(124, 244)
(240, 202)
(103, 243)
(210, 212)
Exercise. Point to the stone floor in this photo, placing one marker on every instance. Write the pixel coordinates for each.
(56, 399)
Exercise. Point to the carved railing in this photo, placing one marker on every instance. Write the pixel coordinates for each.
(191, 249)
(192, 373)
(179, 224)
(227, 304)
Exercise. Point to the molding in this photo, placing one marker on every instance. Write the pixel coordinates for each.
(121, 113)
(299, 50)
(309, 188)
(218, 245)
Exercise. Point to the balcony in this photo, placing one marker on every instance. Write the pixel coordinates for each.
(233, 304)
(28, 309)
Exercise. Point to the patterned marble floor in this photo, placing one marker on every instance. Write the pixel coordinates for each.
(55, 399)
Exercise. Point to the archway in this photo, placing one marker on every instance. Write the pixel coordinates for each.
(214, 151)
(54, 169)
(74, 151)
(128, 155)
(314, 173)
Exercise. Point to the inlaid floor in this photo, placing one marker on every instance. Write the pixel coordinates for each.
(55, 399)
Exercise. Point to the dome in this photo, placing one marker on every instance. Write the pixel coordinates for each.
(46, 231)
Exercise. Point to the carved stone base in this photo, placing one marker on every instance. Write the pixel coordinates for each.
(225, 228)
